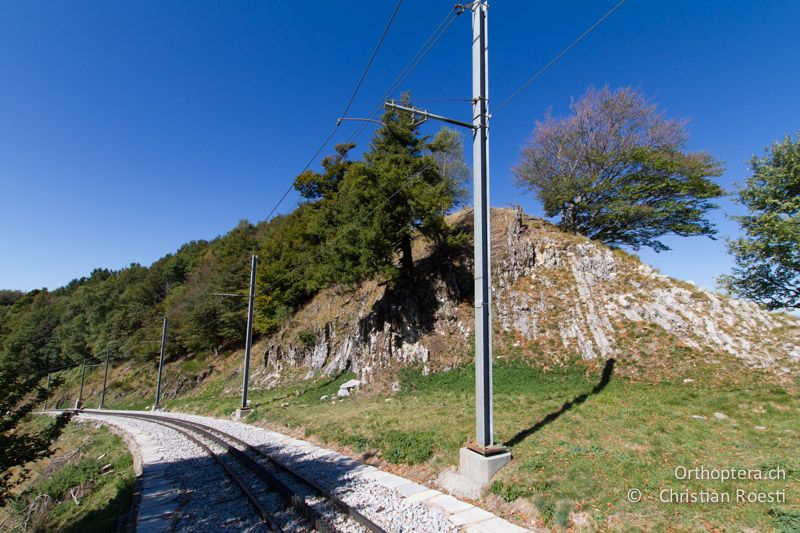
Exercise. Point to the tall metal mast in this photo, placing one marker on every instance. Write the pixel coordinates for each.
(161, 364)
(249, 336)
(484, 428)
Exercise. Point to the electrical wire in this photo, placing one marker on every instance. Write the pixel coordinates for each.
(372, 58)
(561, 54)
(434, 38)
(346, 109)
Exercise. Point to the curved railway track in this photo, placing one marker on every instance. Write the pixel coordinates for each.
(261, 476)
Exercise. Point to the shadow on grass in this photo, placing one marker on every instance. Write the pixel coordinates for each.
(113, 516)
(604, 380)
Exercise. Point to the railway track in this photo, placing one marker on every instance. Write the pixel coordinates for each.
(283, 498)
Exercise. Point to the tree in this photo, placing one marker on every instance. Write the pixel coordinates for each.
(768, 255)
(22, 392)
(383, 201)
(447, 149)
(315, 185)
(616, 170)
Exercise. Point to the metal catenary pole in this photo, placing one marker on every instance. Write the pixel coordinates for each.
(105, 383)
(484, 415)
(161, 363)
(249, 336)
(79, 402)
(483, 286)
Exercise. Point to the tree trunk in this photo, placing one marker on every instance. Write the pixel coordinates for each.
(406, 258)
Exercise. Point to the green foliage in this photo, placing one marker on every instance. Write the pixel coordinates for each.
(105, 498)
(768, 255)
(23, 390)
(561, 515)
(358, 219)
(409, 447)
(508, 491)
(288, 272)
(786, 520)
(307, 338)
(57, 486)
(398, 190)
(8, 297)
(616, 171)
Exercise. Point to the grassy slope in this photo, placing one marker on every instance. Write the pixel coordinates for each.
(631, 433)
(597, 440)
(79, 454)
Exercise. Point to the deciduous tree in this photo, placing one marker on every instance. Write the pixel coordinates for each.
(617, 170)
(768, 255)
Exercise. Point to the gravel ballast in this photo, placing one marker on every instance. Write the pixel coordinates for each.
(207, 501)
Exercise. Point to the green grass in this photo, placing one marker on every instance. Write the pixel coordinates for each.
(81, 453)
(576, 444)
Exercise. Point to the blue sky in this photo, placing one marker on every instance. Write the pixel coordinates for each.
(127, 129)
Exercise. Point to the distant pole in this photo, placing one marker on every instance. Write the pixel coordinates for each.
(105, 382)
(161, 363)
(483, 283)
(48, 392)
(249, 337)
(79, 403)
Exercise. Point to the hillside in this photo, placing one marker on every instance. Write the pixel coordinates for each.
(607, 376)
(557, 297)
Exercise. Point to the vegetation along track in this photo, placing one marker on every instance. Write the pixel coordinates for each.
(261, 476)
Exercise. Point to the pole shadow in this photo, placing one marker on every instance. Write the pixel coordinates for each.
(608, 369)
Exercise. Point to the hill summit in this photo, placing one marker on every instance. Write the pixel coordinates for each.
(557, 298)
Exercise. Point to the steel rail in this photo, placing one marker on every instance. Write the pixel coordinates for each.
(311, 514)
(265, 515)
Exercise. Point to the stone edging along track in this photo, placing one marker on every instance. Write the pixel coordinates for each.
(396, 503)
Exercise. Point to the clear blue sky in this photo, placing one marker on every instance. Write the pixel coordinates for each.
(127, 129)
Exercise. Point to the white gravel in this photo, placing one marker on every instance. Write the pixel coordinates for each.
(195, 471)
(209, 501)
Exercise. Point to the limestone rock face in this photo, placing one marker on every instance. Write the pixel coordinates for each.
(556, 296)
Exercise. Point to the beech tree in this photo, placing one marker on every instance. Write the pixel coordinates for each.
(616, 170)
(768, 255)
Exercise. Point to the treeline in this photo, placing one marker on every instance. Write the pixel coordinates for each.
(356, 220)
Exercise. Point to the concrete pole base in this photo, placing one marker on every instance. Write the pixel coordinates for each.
(481, 468)
(241, 412)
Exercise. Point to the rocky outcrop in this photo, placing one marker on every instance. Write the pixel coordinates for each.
(556, 296)
(606, 291)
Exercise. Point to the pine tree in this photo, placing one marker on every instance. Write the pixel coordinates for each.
(397, 192)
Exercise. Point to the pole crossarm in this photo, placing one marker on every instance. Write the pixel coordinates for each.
(359, 119)
(426, 115)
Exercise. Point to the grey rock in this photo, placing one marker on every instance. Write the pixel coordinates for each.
(350, 384)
